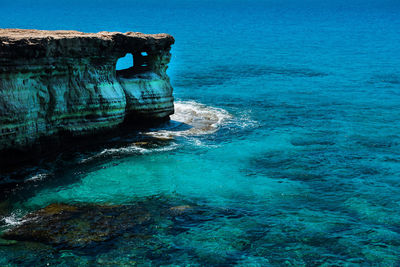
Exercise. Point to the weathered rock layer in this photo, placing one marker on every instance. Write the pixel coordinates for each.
(55, 83)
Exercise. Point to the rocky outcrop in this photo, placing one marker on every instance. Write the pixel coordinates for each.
(74, 226)
(65, 83)
(80, 226)
(77, 226)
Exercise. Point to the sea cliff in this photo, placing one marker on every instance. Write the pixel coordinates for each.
(65, 83)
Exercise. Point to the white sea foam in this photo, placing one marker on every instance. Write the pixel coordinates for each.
(192, 119)
(14, 219)
(131, 149)
(244, 120)
(38, 177)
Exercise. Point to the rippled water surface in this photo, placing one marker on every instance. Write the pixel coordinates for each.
(284, 149)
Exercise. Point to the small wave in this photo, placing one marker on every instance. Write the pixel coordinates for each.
(245, 121)
(192, 119)
(198, 143)
(136, 149)
(37, 177)
(128, 150)
(14, 219)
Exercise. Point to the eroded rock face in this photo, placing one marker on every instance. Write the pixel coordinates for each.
(55, 83)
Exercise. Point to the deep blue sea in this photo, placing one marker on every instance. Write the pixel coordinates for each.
(292, 157)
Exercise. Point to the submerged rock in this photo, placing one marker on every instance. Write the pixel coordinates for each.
(58, 84)
(88, 226)
(178, 210)
(4, 242)
(79, 226)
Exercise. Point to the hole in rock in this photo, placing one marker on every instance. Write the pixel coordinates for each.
(132, 64)
(125, 62)
(142, 60)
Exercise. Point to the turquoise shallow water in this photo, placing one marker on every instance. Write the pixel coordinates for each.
(291, 156)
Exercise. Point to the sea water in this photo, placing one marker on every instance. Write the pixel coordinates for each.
(285, 137)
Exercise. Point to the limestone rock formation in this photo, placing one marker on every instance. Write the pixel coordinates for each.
(65, 83)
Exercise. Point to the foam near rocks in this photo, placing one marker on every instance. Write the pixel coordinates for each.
(130, 150)
(192, 119)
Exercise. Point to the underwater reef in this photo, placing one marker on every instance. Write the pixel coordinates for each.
(62, 85)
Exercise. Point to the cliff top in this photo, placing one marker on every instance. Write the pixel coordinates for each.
(19, 34)
(20, 43)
